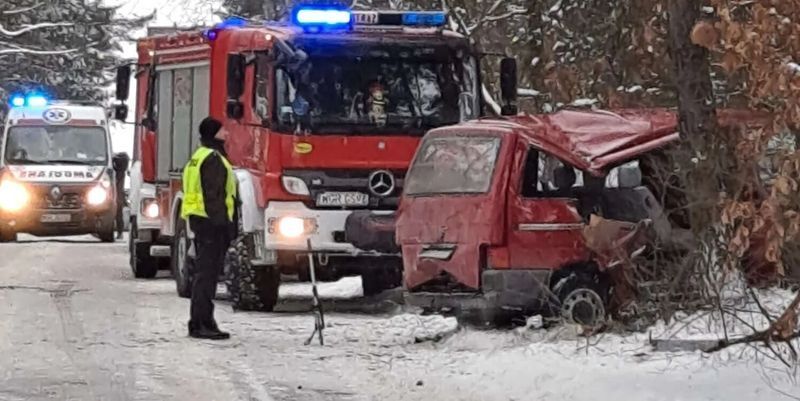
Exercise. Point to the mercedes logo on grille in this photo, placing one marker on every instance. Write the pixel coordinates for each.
(381, 183)
(55, 193)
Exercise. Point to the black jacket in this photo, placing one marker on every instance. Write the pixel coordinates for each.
(213, 176)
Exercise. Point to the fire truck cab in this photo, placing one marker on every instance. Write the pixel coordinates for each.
(55, 171)
(321, 117)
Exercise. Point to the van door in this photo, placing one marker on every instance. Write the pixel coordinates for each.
(545, 229)
(453, 204)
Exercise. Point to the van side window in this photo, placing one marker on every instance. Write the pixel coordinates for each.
(530, 175)
(556, 178)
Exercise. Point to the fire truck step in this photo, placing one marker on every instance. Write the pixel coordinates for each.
(160, 251)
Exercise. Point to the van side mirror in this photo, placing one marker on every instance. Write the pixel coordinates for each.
(235, 83)
(121, 112)
(123, 82)
(508, 86)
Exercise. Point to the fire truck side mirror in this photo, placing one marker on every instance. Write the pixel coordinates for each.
(508, 86)
(235, 83)
(123, 82)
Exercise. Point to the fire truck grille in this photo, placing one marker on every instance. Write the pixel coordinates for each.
(383, 190)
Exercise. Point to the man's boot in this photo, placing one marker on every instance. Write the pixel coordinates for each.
(208, 333)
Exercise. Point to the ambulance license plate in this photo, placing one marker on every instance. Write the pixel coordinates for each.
(56, 218)
(342, 199)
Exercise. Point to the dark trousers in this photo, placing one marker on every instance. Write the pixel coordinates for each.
(211, 244)
(120, 206)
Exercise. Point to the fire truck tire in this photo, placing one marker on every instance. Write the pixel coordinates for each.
(142, 264)
(8, 236)
(251, 288)
(182, 264)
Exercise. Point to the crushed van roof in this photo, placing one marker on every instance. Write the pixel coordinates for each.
(595, 140)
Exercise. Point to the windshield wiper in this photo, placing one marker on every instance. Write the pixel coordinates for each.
(70, 161)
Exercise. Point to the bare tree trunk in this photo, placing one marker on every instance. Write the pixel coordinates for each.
(697, 117)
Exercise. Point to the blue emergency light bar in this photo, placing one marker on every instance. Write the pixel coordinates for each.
(321, 18)
(29, 101)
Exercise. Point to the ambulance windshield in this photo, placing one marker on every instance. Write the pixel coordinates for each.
(56, 144)
(386, 90)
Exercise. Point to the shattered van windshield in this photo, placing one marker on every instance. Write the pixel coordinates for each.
(453, 165)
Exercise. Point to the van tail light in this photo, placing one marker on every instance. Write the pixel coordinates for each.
(498, 258)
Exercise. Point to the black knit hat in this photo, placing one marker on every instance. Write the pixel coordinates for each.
(209, 128)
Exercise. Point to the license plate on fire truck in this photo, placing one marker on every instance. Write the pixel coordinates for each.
(56, 218)
(342, 199)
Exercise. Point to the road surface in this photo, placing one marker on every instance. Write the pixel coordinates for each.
(74, 325)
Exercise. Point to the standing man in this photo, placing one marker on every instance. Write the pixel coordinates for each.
(209, 190)
(120, 164)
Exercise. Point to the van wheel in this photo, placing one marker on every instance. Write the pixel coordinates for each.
(583, 296)
(8, 236)
(107, 235)
(251, 288)
(142, 264)
(181, 264)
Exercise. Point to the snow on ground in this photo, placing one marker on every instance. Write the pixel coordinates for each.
(75, 325)
(346, 288)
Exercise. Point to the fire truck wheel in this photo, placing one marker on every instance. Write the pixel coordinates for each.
(182, 264)
(583, 294)
(142, 264)
(8, 236)
(251, 288)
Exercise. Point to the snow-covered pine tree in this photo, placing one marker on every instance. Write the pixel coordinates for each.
(66, 48)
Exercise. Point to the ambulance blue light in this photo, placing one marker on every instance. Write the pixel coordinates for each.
(424, 19)
(29, 101)
(322, 16)
(36, 101)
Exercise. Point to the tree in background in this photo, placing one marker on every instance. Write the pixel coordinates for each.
(66, 48)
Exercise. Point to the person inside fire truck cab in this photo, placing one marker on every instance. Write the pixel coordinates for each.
(209, 205)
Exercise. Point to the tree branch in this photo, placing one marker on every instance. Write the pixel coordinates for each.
(28, 28)
(23, 10)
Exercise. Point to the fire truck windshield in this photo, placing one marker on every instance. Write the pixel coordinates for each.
(56, 144)
(381, 92)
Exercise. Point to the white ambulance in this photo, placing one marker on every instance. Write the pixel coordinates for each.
(56, 175)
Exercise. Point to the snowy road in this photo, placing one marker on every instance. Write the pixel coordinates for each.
(74, 325)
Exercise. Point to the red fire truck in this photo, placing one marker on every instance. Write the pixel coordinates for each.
(322, 116)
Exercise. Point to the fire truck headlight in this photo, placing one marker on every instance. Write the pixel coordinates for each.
(294, 185)
(13, 195)
(151, 209)
(291, 227)
(97, 196)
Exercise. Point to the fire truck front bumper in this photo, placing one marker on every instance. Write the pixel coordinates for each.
(290, 224)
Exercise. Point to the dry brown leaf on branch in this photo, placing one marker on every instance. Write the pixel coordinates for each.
(704, 34)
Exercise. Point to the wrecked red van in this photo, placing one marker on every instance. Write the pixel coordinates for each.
(505, 214)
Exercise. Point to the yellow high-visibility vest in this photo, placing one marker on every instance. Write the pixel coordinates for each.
(193, 203)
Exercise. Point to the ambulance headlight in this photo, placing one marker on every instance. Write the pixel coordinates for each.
(13, 195)
(97, 195)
